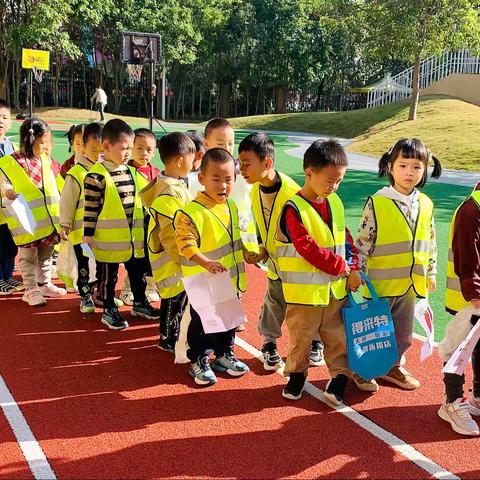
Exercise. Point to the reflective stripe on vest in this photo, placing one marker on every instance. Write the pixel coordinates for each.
(78, 172)
(167, 273)
(114, 240)
(400, 257)
(454, 299)
(288, 188)
(217, 243)
(302, 283)
(43, 205)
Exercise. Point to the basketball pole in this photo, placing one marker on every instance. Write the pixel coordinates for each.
(31, 93)
(152, 81)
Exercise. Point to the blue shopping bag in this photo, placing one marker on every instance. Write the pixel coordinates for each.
(371, 345)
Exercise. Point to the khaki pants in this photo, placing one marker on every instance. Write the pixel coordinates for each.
(305, 322)
(35, 265)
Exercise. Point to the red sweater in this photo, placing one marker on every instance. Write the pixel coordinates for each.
(149, 171)
(466, 248)
(308, 248)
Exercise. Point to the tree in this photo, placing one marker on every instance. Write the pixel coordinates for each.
(410, 30)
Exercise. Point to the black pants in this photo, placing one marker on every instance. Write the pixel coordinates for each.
(101, 109)
(83, 270)
(201, 343)
(171, 313)
(8, 252)
(108, 276)
(454, 383)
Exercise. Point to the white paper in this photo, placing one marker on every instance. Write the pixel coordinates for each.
(214, 299)
(87, 250)
(19, 207)
(424, 315)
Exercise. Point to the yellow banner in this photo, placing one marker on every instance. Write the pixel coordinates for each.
(35, 58)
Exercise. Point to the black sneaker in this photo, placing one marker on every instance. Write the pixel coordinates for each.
(336, 389)
(145, 310)
(315, 358)
(113, 320)
(164, 344)
(271, 358)
(294, 387)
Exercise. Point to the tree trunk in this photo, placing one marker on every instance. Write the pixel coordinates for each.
(412, 114)
(16, 86)
(200, 103)
(280, 100)
(225, 94)
(247, 101)
(257, 103)
(193, 101)
(70, 90)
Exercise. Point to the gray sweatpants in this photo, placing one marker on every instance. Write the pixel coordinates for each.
(35, 265)
(403, 311)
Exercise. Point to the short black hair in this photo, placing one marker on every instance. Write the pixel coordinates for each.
(31, 129)
(197, 139)
(92, 130)
(322, 153)
(145, 132)
(215, 155)
(5, 104)
(175, 144)
(114, 129)
(73, 132)
(259, 143)
(217, 122)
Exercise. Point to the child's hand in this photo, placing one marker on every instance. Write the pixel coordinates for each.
(347, 271)
(354, 280)
(475, 303)
(88, 241)
(250, 257)
(10, 194)
(431, 284)
(214, 267)
(64, 231)
(262, 255)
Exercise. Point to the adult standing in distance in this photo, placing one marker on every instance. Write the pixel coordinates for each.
(100, 98)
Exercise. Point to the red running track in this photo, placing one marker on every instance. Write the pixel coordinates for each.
(106, 404)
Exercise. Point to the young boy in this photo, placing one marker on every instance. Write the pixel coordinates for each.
(208, 238)
(311, 245)
(192, 178)
(170, 193)
(113, 223)
(8, 249)
(463, 290)
(270, 192)
(71, 211)
(144, 148)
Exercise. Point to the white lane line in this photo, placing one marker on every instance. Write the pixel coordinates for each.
(385, 436)
(32, 451)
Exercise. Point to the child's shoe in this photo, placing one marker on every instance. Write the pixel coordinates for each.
(458, 415)
(402, 378)
(145, 310)
(164, 344)
(113, 320)
(201, 372)
(294, 388)
(99, 302)
(126, 296)
(49, 290)
(271, 358)
(474, 405)
(152, 296)
(336, 389)
(72, 290)
(365, 385)
(87, 305)
(315, 357)
(6, 288)
(33, 297)
(228, 363)
(18, 286)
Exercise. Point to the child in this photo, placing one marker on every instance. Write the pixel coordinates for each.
(71, 210)
(463, 290)
(396, 246)
(312, 245)
(113, 223)
(75, 140)
(28, 171)
(144, 148)
(208, 238)
(177, 152)
(8, 249)
(192, 178)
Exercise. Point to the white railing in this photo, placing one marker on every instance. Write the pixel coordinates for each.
(432, 69)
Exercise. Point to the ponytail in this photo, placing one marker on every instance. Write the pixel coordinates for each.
(383, 164)
(437, 167)
(30, 130)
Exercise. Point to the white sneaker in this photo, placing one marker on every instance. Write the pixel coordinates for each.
(72, 290)
(33, 297)
(474, 405)
(152, 296)
(459, 417)
(49, 290)
(126, 297)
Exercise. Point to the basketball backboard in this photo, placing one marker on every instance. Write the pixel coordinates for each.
(141, 47)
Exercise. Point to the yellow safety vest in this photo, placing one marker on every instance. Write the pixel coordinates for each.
(400, 256)
(288, 188)
(167, 273)
(303, 283)
(454, 299)
(78, 172)
(217, 242)
(3, 219)
(43, 204)
(60, 181)
(114, 240)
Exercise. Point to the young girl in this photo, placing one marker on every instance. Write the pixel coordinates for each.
(396, 245)
(75, 139)
(28, 171)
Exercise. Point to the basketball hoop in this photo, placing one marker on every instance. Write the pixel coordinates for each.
(38, 74)
(134, 72)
